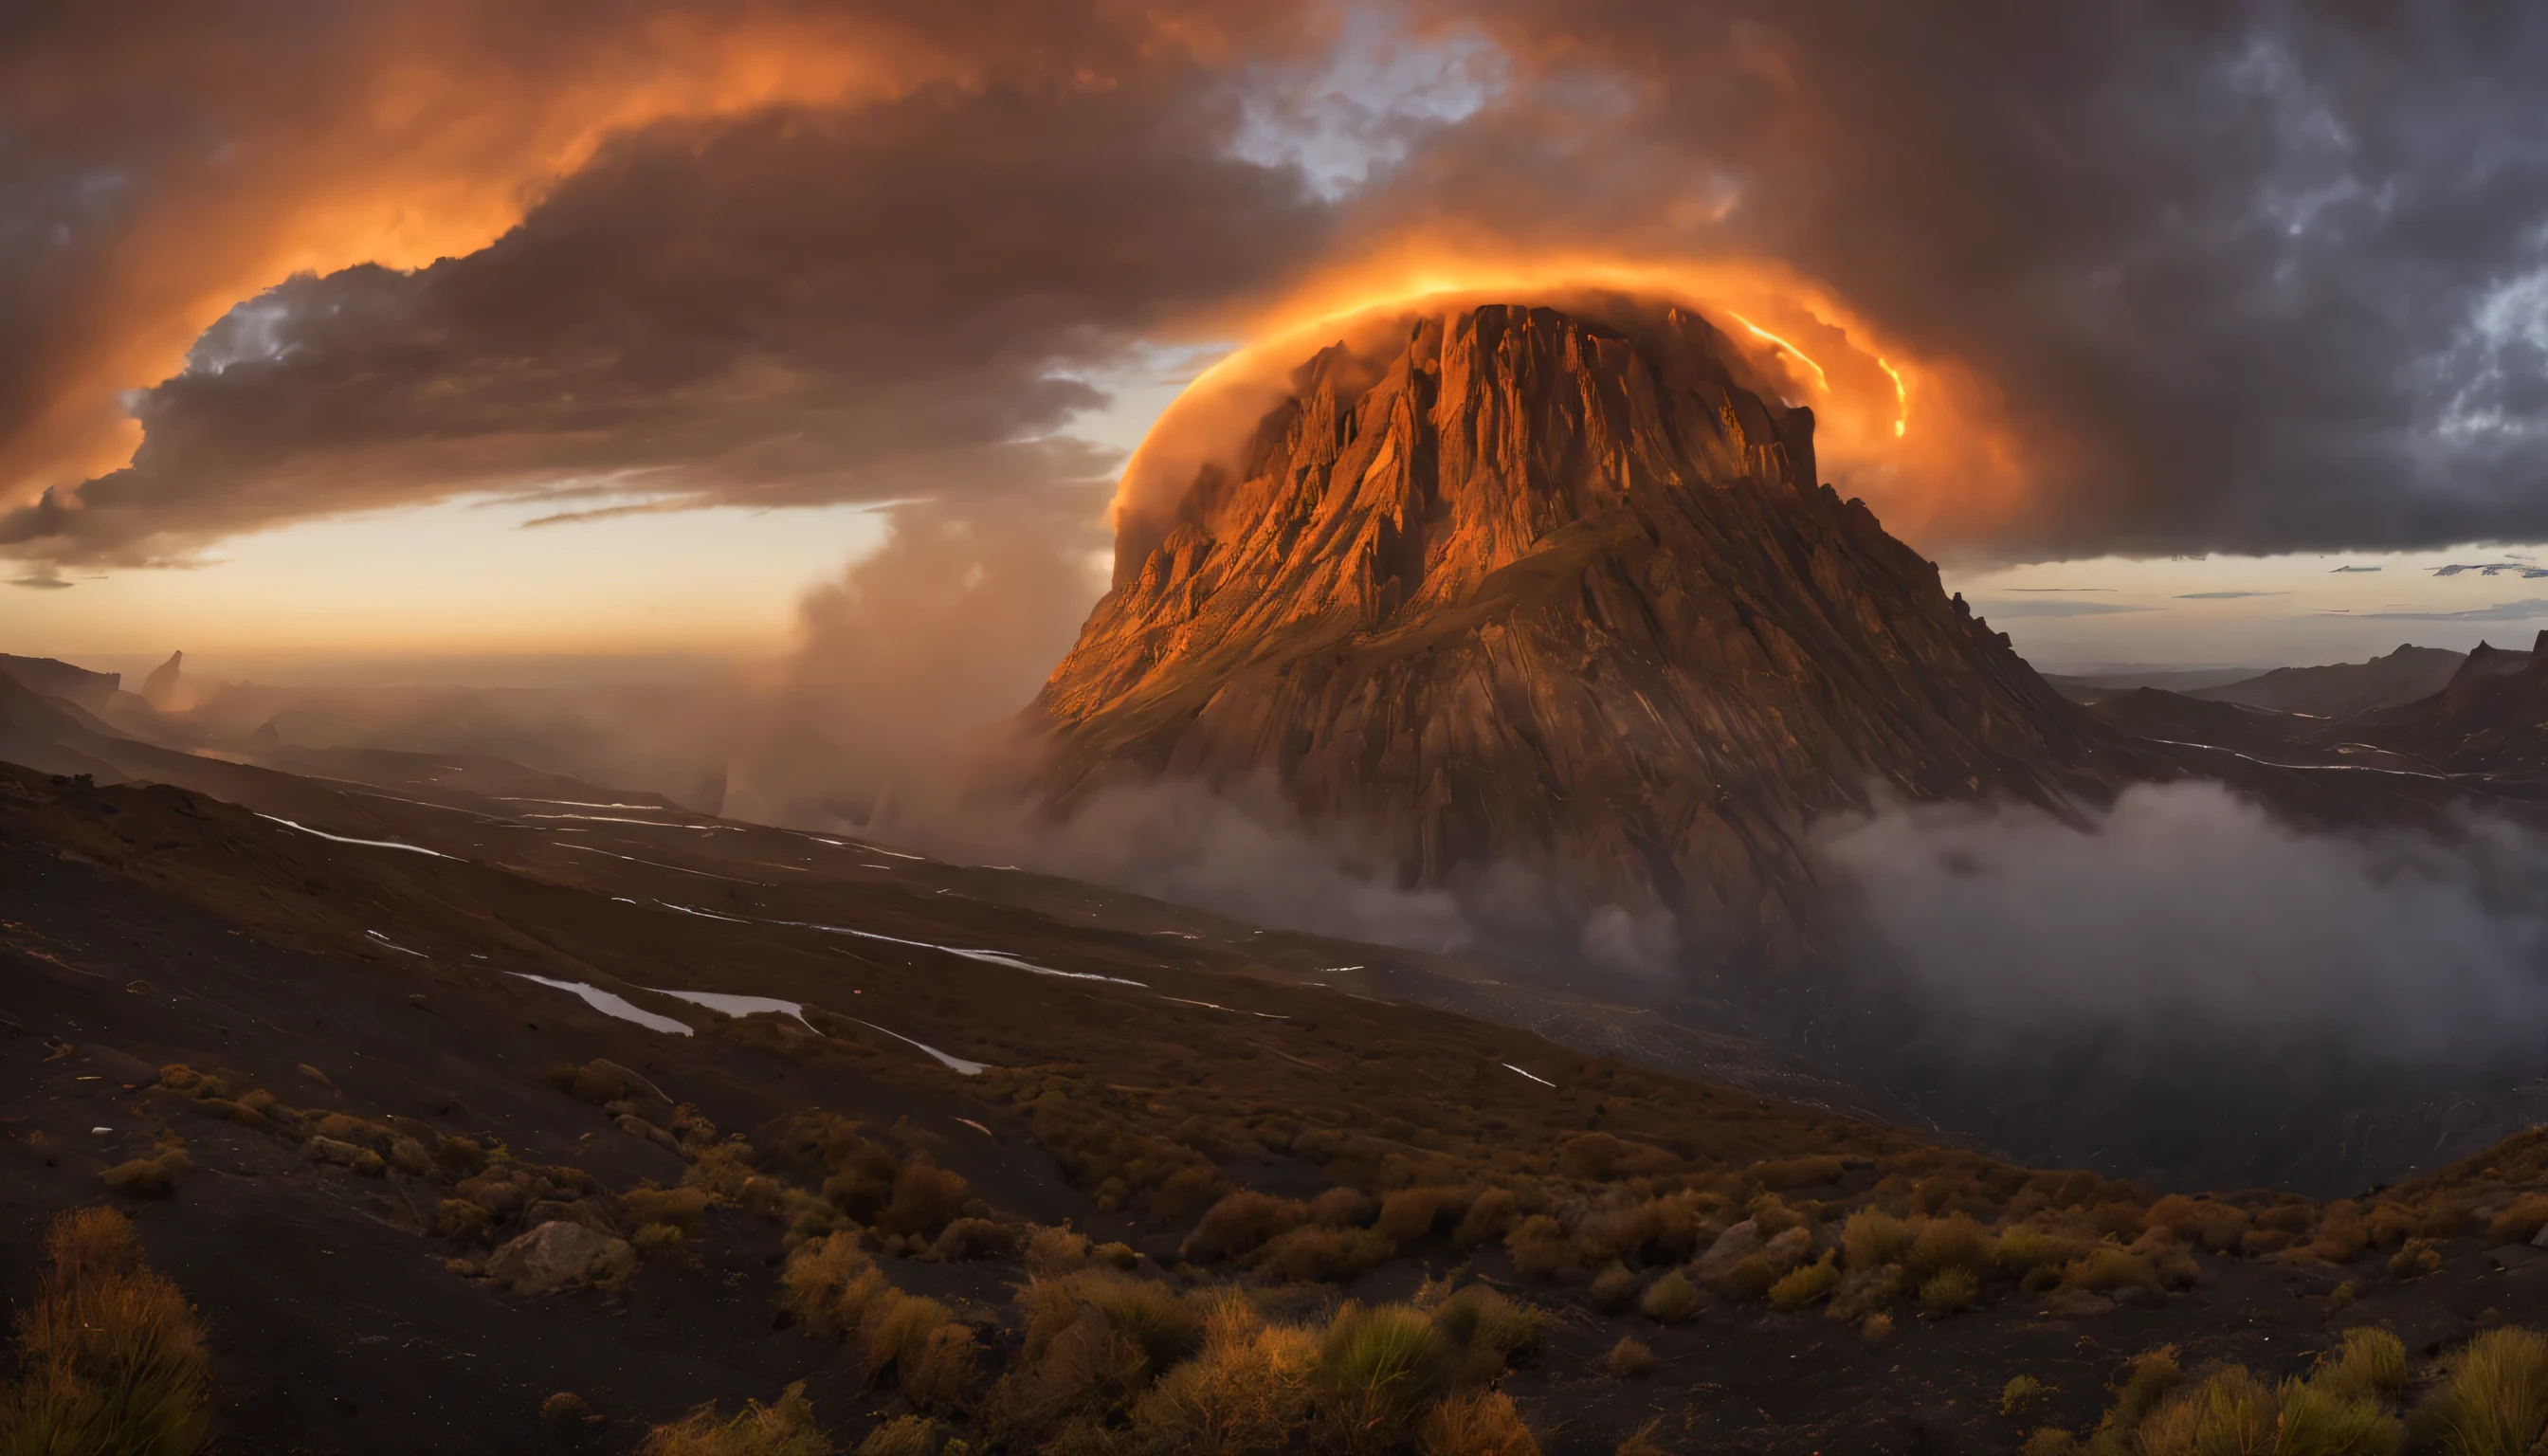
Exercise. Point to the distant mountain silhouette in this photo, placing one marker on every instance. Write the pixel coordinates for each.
(2342, 688)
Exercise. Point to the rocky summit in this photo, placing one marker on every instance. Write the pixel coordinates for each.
(1553, 592)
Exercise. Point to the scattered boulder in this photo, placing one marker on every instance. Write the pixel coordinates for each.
(559, 1254)
(1731, 1247)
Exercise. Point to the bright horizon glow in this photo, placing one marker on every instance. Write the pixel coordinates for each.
(461, 578)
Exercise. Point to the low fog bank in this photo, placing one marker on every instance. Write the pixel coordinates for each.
(2185, 988)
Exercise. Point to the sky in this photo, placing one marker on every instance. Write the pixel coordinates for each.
(463, 333)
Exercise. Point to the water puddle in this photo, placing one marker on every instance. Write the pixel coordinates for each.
(610, 1003)
(733, 1005)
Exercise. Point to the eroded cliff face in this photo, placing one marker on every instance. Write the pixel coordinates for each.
(1545, 592)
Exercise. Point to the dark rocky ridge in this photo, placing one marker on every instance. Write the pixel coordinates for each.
(1556, 591)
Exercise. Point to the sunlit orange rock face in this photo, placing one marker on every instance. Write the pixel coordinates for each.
(1530, 590)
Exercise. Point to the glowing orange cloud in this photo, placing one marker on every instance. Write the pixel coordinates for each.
(1959, 477)
(423, 144)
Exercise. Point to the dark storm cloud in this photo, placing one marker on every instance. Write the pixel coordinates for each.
(2247, 277)
(787, 308)
(2250, 277)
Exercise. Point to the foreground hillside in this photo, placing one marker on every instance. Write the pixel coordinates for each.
(438, 1114)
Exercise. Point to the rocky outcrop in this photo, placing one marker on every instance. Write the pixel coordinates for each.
(1553, 592)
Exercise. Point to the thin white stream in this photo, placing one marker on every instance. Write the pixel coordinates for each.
(377, 844)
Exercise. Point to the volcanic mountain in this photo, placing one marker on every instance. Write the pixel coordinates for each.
(1556, 591)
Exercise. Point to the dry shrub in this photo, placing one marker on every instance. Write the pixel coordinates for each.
(1952, 1243)
(2235, 1410)
(1614, 1289)
(1629, 1359)
(1807, 1285)
(1055, 1250)
(2149, 1377)
(1378, 1369)
(2341, 1235)
(2106, 1268)
(460, 1220)
(1490, 1217)
(1243, 1395)
(1646, 1231)
(1872, 1238)
(1241, 1223)
(2370, 1365)
(1796, 1172)
(904, 1435)
(685, 1209)
(1749, 1281)
(149, 1177)
(1948, 1291)
(1538, 1247)
(2415, 1259)
(1411, 1216)
(974, 1238)
(2519, 1222)
(2022, 1396)
(2218, 1226)
(461, 1158)
(658, 1240)
(785, 1429)
(1773, 1216)
(1876, 1329)
(722, 1171)
(925, 1199)
(2493, 1400)
(931, 1356)
(1342, 1208)
(2028, 1247)
(1487, 1330)
(1094, 1341)
(111, 1359)
(1670, 1300)
(1590, 1155)
(1322, 1255)
(2231, 1412)
(829, 1283)
(1641, 1441)
(1865, 1291)
(1479, 1423)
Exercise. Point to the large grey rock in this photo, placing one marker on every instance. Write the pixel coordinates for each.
(558, 1255)
(1731, 1247)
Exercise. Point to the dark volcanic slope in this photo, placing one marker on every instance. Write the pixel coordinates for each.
(1543, 590)
(369, 963)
